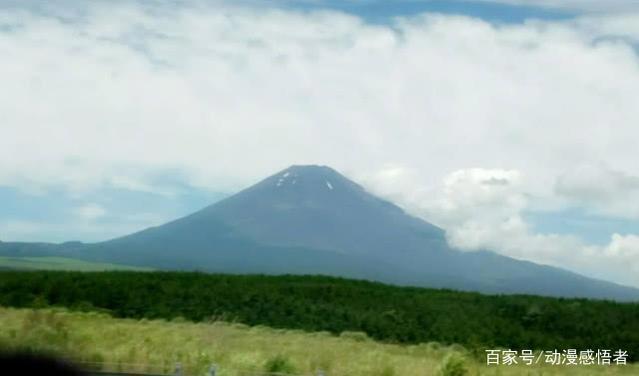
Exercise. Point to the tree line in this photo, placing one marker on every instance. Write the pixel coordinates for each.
(317, 303)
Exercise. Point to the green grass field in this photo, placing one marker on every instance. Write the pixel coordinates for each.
(60, 263)
(391, 314)
(156, 345)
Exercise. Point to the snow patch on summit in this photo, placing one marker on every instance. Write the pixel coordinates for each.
(282, 179)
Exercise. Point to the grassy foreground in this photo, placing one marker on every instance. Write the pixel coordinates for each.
(385, 313)
(155, 346)
(60, 263)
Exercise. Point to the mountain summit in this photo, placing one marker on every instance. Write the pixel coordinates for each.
(313, 220)
(316, 207)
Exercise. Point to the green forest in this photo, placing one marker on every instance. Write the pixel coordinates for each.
(314, 303)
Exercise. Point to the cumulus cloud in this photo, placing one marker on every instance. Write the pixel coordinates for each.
(111, 95)
(483, 209)
(227, 95)
(624, 246)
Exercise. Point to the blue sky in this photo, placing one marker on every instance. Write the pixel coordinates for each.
(122, 115)
(57, 216)
(383, 11)
(594, 229)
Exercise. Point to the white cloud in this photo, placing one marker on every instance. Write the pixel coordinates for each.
(226, 95)
(604, 190)
(626, 246)
(618, 260)
(606, 6)
(90, 211)
(132, 184)
(483, 210)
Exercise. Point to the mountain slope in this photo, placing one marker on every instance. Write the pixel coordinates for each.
(316, 206)
(312, 220)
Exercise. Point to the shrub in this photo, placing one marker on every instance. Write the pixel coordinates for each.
(453, 365)
(279, 364)
(355, 336)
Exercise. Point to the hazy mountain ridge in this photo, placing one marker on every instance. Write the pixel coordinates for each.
(313, 220)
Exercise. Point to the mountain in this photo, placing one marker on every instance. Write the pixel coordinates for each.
(313, 220)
